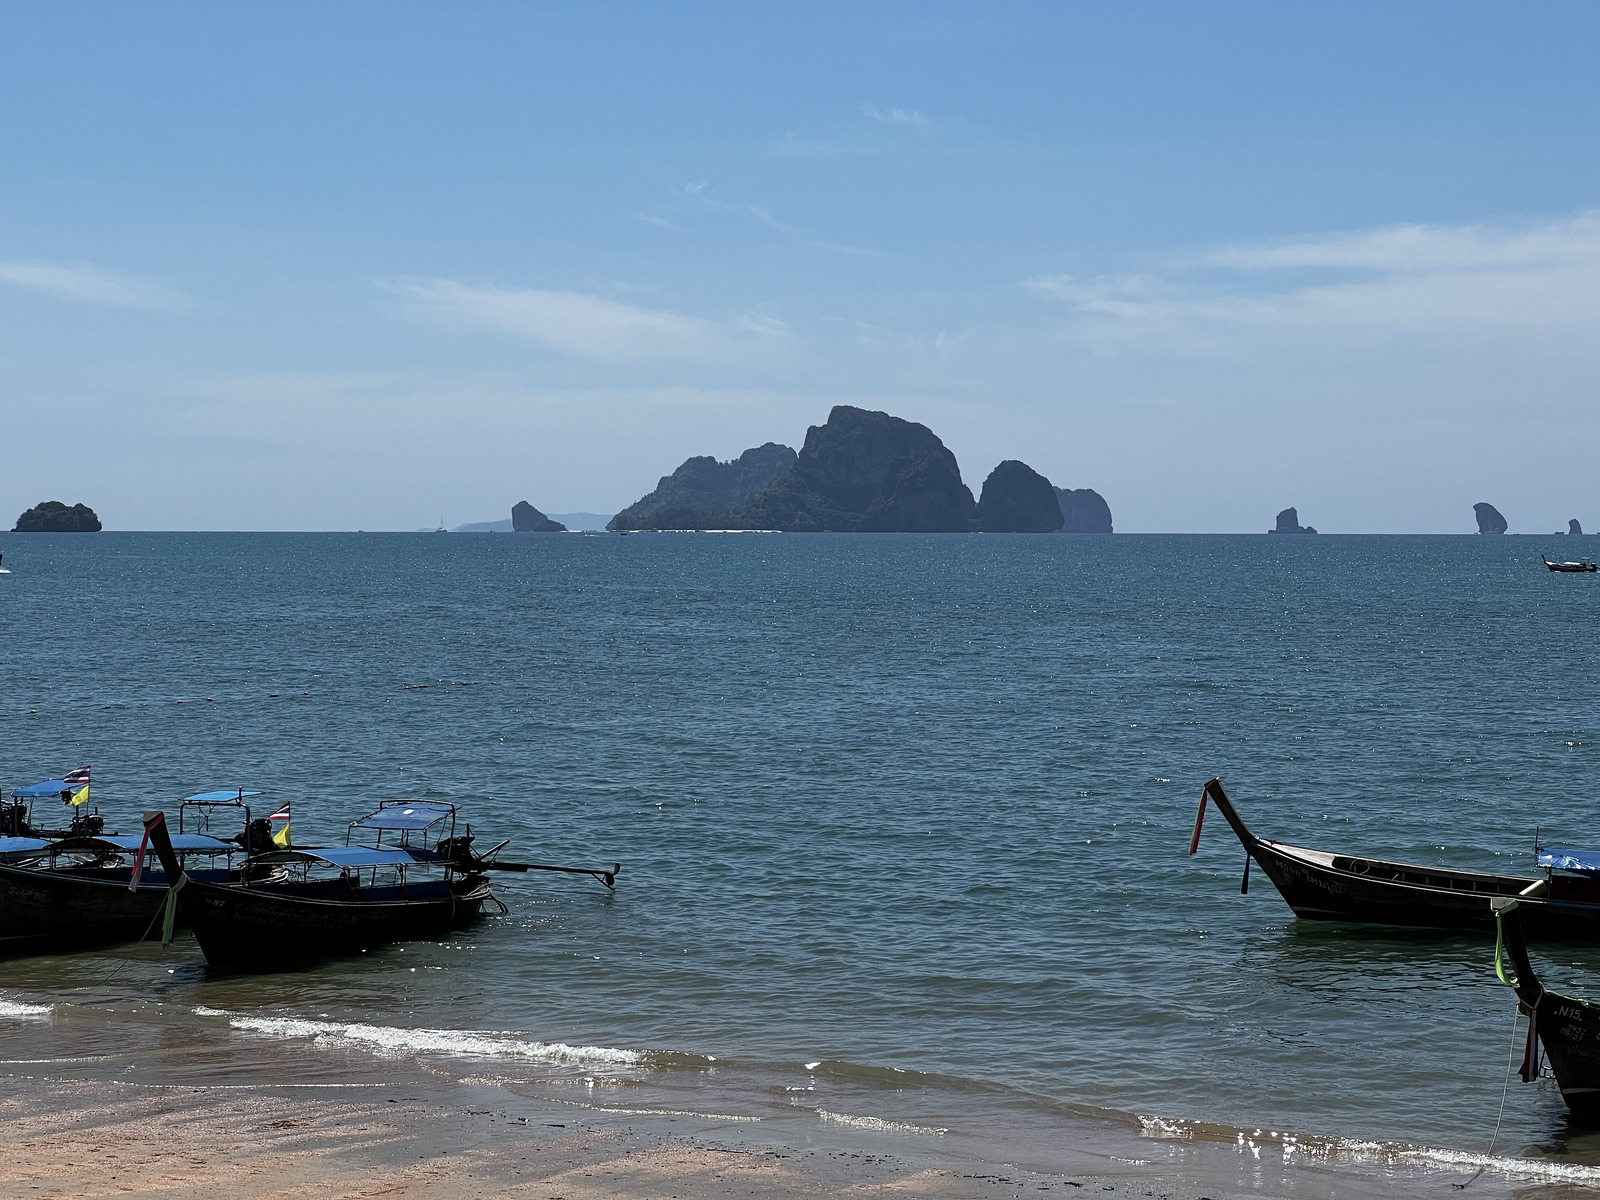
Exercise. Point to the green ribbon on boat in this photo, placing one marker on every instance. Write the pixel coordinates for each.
(172, 910)
(1499, 951)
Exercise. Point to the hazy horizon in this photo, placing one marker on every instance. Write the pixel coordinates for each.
(303, 268)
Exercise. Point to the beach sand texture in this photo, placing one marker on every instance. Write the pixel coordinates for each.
(96, 1139)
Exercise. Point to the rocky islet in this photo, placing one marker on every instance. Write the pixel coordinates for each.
(52, 516)
(525, 518)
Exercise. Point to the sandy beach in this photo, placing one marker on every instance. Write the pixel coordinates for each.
(95, 1138)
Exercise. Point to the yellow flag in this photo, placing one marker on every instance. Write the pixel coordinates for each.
(81, 796)
(281, 838)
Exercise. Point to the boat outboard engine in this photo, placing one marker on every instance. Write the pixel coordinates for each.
(459, 851)
(14, 819)
(257, 837)
(88, 825)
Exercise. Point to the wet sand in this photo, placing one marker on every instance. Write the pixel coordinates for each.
(97, 1138)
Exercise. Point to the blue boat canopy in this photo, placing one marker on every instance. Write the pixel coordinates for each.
(218, 797)
(406, 814)
(20, 845)
(183, 843)
(50, 787)
(353, 856)
(1585, 861)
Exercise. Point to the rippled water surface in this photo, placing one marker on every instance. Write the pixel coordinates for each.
(885, 802)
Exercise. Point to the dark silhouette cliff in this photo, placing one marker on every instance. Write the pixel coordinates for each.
(706, 494)
(866, 471)
(1083, 510)
(1017, 499)
(1489, 518)
(1289, 522)
(525, 518)
(52, 516)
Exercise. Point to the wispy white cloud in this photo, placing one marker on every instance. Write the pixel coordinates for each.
(596, 328)
(1478, 280)
(89, 284)
(894, 116)
(1424, 248)
(701, 194)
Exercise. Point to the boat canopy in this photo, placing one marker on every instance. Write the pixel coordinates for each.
(183, 843)
(20, 845)
(354, 856)
(1586, 862)
(50, 787)
(406, 814)
(219, 797)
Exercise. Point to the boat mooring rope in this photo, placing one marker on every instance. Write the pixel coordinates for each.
(1511, 1056)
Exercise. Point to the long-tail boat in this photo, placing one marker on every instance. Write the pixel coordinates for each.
(1579, 566)
(78, 891)
(81, 888)
(1568, 1029)
(342, 899)
(1324, 885)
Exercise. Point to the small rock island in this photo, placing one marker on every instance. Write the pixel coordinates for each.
(1017, 499)
(1573, 528)
(52, 516)
(1489, 518)
(1083, 510)
(1289, 522)
(525, 518)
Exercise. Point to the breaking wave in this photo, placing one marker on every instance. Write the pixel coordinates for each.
(19, 1011)
(458, 1043)
(878, 1124)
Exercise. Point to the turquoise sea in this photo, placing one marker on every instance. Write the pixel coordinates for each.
(903, 819)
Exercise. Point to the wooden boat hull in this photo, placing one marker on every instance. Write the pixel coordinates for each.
(1322, 886)
(253, 927)
(42, 910)
(1567, 1028)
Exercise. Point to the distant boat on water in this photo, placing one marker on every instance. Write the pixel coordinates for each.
(1572, 566)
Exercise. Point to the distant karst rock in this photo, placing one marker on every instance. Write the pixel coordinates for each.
(866, 471)
(1574, 529)
(1083, 510)
(525, 518)
(1017, 499)
(1489, 518)
(706, 494)
(1289, 522)
(55, 517)
(919, 495)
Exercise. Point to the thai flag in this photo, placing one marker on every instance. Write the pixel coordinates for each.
(78, 778)
(281, 838)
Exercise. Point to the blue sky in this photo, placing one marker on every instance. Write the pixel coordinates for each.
(345, 266)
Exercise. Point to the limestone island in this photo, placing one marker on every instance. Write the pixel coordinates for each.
(1017, 499)
(706, 494)
(1289, 522)
(52, 516)
(525, 518)
(1489, 518)
(860, 472)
